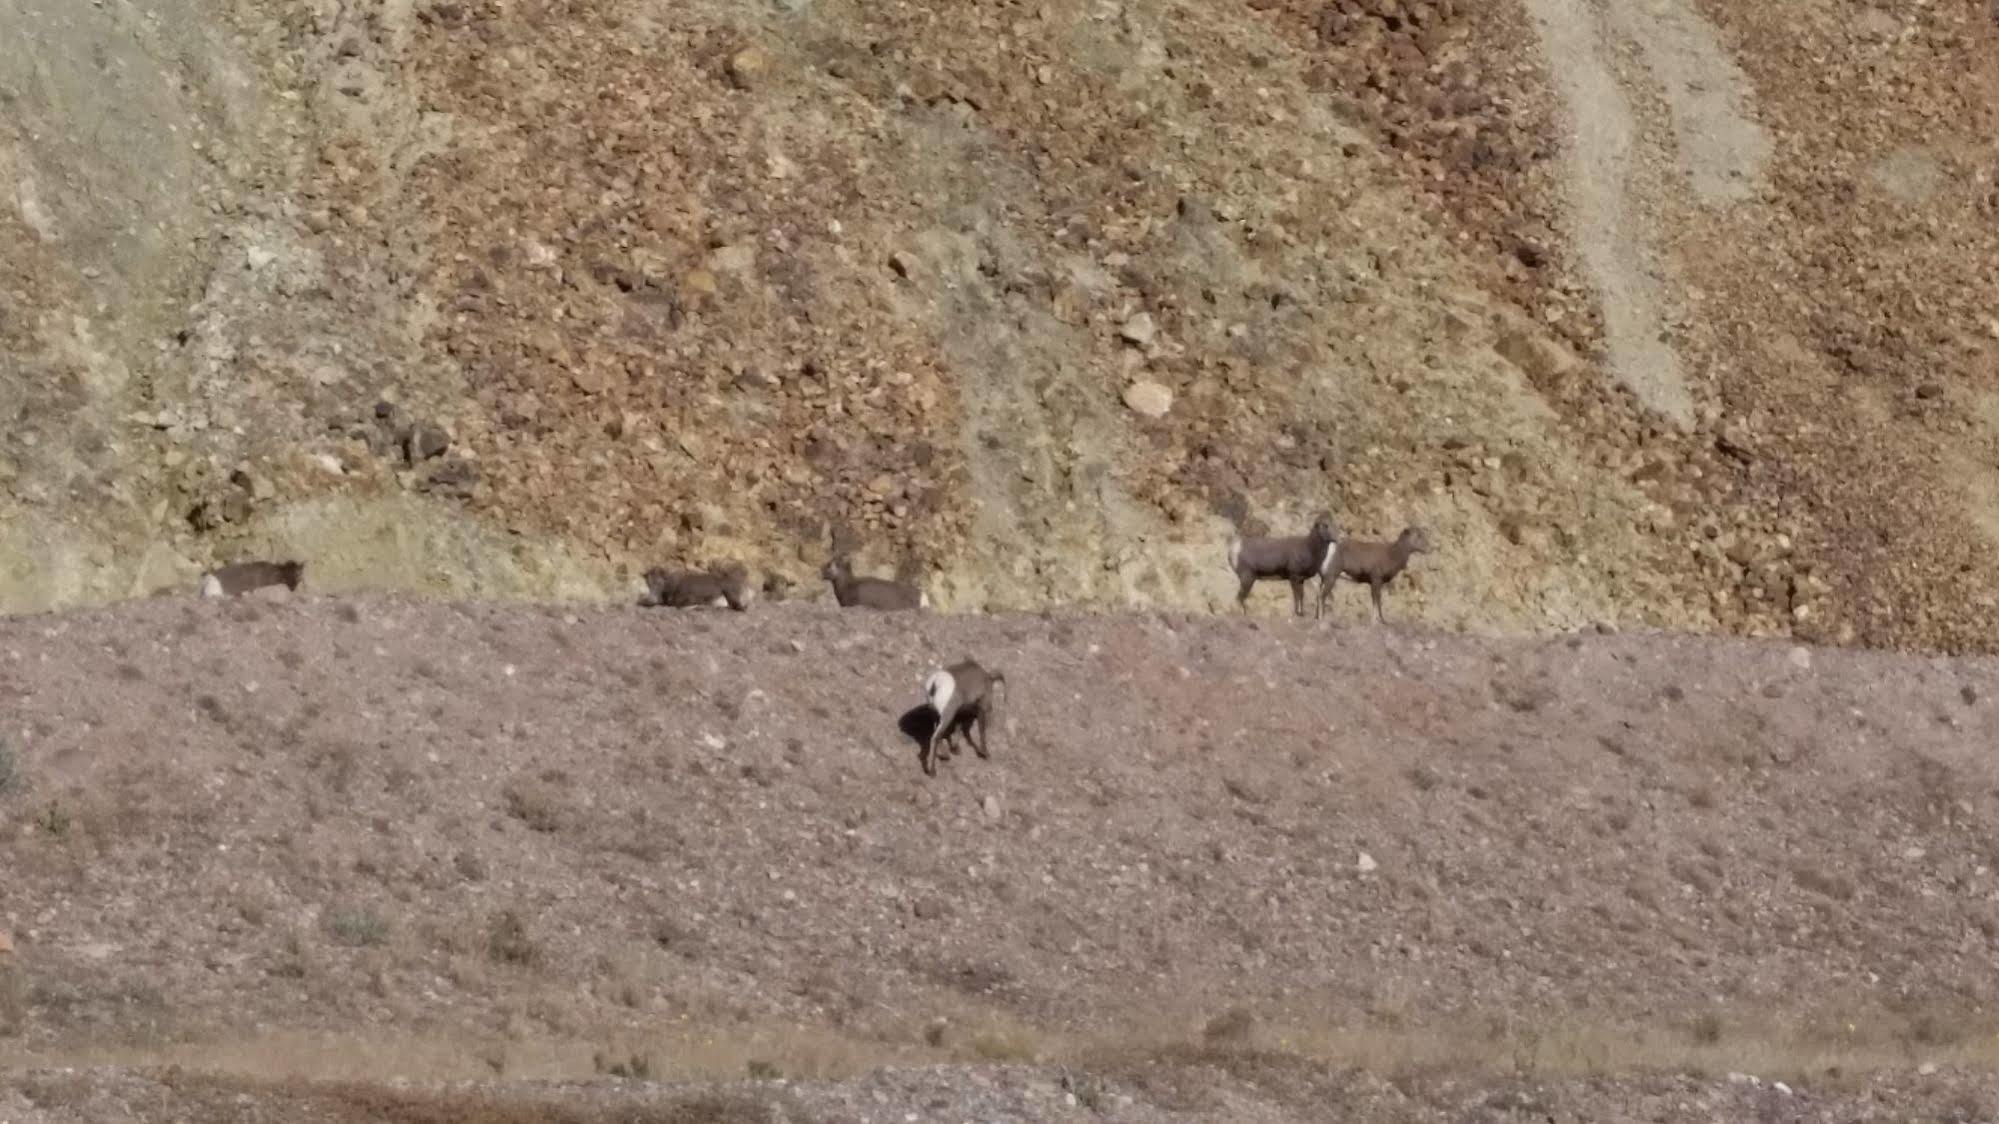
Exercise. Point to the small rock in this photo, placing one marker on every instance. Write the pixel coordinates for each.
(1536, 356)
(697, 284)
(259, 257)
(1927, 1069)
(931, 909)
(748, 67)
(738, 258)
(330, 463)
(1366, 864)
(1929, 390)
(1148, 399)
(1139, 330)
(992, 807)
(6, 943)
(258, 486)
(1733, 442)
(1801, 658)
(454, 477)
(425, 442)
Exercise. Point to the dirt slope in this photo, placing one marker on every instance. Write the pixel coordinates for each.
(1657, 314)
(348, 839)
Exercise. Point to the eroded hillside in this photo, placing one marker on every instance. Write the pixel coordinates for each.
(1679, 316)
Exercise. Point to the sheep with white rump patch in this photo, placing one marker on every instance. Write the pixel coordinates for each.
(239, 578)
(962, 696)
(1295, 559)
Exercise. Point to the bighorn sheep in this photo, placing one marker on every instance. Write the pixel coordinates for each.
(686, 589)
(1296, 559)
(961, 694)
(854, 592)
(1375, 563)
(239, 578)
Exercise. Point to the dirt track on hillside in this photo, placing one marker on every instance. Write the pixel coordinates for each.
(453, 841)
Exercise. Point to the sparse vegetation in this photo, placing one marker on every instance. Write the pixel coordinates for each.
(55, 819)
(1820, 880)
(357, 928)
(1231, 1026)
(12, 780)
(539, 804)
(1008, 1044)
(508, 942)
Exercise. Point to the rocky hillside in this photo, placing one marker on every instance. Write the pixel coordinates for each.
(1675, 314)
(1218, 870)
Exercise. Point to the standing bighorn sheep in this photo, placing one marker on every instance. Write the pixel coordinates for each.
(1296, 559)
(853, 592)
(961, 694)
(239, 578)
(686, 589)
(1375, 563)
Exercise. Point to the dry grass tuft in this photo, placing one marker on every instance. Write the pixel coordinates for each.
(508, 942)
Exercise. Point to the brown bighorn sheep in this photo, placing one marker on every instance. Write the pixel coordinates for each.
(1296, 559)
(962, 696)
(854, 592)
(687, 589)
(1375, 563)
(239, 578)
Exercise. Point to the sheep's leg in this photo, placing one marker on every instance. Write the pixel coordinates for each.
(941, 734)
(1374, 588)
(1325, 588)
(1242, 595)
(979, 727)
(1297, 596)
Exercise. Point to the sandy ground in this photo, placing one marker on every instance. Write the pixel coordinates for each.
(289, 839)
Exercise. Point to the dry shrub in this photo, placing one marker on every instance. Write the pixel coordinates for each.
(508, 942)
(1231, 1026)
(13, 998)
(1819, 881)
(1004, 1045)
(539, 804)
(357, 928)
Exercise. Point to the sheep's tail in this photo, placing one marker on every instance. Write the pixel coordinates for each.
(1235, 552)
(939, 688)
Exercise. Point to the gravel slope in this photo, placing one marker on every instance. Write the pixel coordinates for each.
(357, 838)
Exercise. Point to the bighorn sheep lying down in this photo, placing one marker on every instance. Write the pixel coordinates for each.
(239, 578)
(1295, 559)
(854, 592)
(687, 589)
(961, 694)
(1375, 563)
